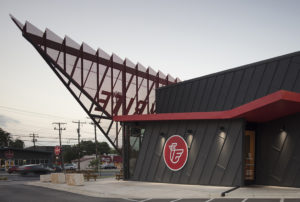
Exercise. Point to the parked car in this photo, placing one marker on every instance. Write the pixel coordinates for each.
(53, 168)
(12, 169)
(70, 166)
(108, 166)
(33, 169)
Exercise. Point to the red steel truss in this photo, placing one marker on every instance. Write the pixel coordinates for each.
(105, 86)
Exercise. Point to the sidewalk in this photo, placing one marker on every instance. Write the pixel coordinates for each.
(112, 188)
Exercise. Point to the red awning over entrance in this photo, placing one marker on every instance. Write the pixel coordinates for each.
(267, 108)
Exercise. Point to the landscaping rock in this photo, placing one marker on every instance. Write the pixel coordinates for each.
(45, 178)
(75, 179)
(58, 178)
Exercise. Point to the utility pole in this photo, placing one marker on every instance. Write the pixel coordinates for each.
(61, 150)
(96, 145)
(78, 131)
(34, 136)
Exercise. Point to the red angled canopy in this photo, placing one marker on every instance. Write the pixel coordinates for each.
(267, 108)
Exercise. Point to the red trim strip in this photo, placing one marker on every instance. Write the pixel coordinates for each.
(272, 106)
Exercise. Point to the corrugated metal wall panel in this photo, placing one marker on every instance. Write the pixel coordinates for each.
(210, 155)
(280, 75)
(197, 97)
(278, 154)
(224, 92)
(143, 151)
(267, 80)
(215, 93)
(231, 88)
(150, 150)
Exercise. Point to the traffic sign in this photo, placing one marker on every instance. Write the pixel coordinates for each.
(9, 154)
(57, 150)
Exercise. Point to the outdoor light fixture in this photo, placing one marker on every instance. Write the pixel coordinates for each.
(162, 139)
(189, 138)
(222, 133)
(282, 129)
(282, 134)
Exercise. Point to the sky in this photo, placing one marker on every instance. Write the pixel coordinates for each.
(186, 39)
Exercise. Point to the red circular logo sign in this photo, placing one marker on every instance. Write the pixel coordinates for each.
(175, 152)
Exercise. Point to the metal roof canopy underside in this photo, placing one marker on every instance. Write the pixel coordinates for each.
(105, 86)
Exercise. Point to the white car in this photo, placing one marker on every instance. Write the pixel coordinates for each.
(70, 166)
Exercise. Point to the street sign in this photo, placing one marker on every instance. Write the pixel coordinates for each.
(9, 154)
(57, 150)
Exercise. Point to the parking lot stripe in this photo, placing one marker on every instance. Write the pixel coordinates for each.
(209, 200)
(244, 200)
(147, 199)
(128, 199)
(176, 200)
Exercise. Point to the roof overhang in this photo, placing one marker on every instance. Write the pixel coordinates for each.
(267, 108)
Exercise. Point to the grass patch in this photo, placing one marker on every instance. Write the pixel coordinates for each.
(3, 178)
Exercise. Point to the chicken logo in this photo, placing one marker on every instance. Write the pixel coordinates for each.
(175, 152)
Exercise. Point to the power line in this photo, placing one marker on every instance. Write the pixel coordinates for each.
(31, 112)
(34, 136)
(78, 131)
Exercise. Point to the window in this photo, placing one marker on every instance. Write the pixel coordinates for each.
(135, 139)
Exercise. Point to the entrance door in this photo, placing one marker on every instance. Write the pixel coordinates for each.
(249, 157)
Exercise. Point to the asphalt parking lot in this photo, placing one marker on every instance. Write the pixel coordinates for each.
(18, 191)
(28, 188)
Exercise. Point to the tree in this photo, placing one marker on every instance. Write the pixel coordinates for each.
(17, 144)
(95, 163)
(86, 148)
(5, 138)
(70, 153)
(103, 147)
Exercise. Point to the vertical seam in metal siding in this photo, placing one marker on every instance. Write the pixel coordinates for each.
(249, 84)
(275, 71)
(195, 100)
(229, 127)
(293, 87)
(229, 87)
(161, 155)
(261, 79)
(140, 172)
(199, 150)
(217, 95)
(235, 96)
(234, 145)
(210, 93)
(209, 151)
(285, 73)
(191, 144)
(153, 153)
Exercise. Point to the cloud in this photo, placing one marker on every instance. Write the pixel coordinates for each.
(4, 120)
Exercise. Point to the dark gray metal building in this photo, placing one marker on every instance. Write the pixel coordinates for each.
(241, 127)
